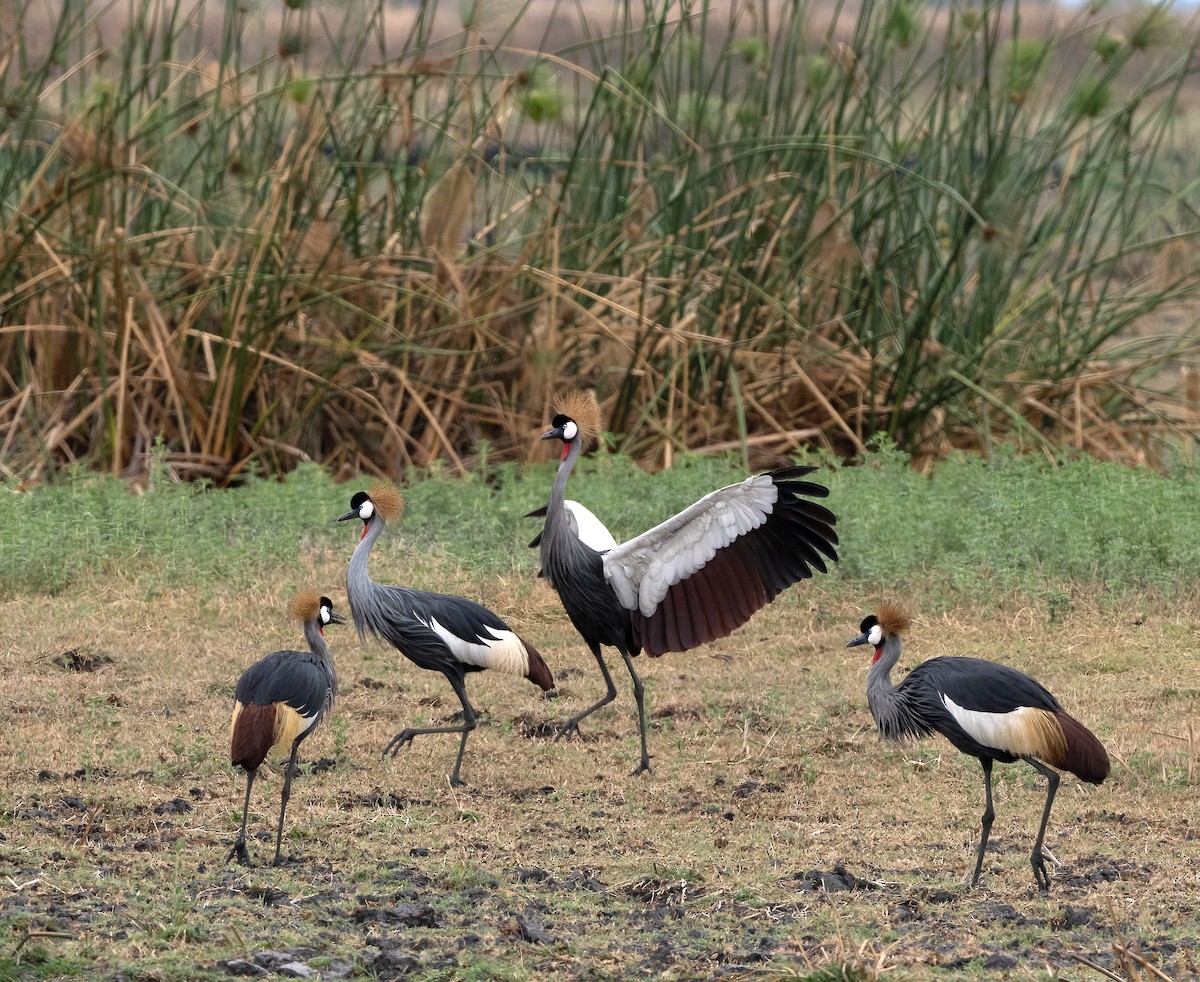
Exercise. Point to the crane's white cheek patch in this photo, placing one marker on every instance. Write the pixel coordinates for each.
(366, 510)
(1029, 731)
(505, 653)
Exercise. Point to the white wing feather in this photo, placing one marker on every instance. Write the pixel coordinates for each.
(641, 570)
(587, 527)
(505, 652)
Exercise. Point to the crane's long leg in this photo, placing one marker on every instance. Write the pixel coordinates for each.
(988, 815)
(239, 845)
(639, 696)
(283, 800)
(405, 737)
(1038, 860)
(571, 726)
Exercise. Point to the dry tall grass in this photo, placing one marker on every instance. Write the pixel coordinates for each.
(389, 239)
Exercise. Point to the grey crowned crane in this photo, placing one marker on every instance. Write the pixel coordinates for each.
(989, 711)
(435, 631)
(279, 700)
(695, 578)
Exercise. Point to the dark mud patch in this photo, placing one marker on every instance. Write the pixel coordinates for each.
(832, 881)
(84, 660)
(535, 728)
(378, 798)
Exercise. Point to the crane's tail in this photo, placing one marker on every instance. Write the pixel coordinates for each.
(539, 671)
(253, 735)
(1082, 754)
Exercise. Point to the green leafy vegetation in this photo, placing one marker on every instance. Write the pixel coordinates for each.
(973, 529)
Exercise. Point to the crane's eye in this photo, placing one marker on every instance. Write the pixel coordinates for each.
(875, 636)
(570, 430)
(366, 509)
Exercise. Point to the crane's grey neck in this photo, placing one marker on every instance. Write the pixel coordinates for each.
(319, 647)
(558, 493)
(358, 580)
(893, 715)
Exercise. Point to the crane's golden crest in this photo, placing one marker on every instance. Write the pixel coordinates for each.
(389, 502)
(305, 605)
(581, 405)
(892, 618)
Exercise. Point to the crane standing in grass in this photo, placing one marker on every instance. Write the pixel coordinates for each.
(279, 701)
(989, 711)
(695, 578)
(441, 633)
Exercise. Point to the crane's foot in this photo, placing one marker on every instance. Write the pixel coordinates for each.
(400, 740)
(642, 768)
(1039, 872)
(239, 850)
(568, 729)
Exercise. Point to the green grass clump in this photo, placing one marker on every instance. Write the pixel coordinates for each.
(974, 528)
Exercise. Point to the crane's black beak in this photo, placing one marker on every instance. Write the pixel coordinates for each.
(349, 514)
(861, 639)
(336, 618)
(555, 433)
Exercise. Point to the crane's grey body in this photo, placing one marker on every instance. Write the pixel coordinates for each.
(278, 701)
(694, 578)
(438, 632)
(304, 680)
(990, 711)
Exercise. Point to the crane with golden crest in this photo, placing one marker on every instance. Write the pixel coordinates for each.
(279, 701)
(436, 631)
(986, 710)
(694, 578)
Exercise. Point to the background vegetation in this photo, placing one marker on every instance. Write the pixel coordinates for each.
(378, 236)
(239, 240)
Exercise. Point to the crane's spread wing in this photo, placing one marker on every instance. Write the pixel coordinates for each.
(702, 574)
(294, 678)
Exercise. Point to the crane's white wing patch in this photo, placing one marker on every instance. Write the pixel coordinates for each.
(587, 527)
(505, 652)
(1026, 730)
(641, 570)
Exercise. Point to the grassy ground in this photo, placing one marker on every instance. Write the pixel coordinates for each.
(776, 837)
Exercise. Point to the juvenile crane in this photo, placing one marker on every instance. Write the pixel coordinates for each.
(989, 711)
(695, 578)
(435, 631)
(279, 700)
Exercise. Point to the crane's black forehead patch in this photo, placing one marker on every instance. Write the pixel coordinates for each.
(868, 622)
(326, 602)
(560, 419)
(359, 497)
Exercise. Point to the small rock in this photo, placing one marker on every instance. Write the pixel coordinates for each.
(528, 929)
(392, 965)
(410, 915)
(1073, 917)
(296, 970)
(176, 806)
(244, 968)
